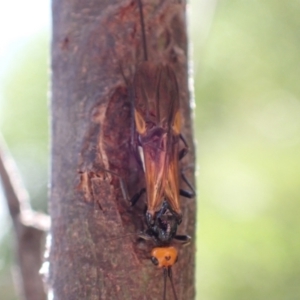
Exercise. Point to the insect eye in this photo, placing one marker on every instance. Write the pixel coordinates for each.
(154, 260)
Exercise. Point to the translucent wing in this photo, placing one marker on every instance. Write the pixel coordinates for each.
(157, 120)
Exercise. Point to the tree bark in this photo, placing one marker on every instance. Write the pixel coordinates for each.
(95, 251)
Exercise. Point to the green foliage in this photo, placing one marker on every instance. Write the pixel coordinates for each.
(248, 133)
(24, 115)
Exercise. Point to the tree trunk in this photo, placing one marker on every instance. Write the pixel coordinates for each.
(95, 251)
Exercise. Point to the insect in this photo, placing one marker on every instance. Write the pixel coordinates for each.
(157, 122)
(158, 127)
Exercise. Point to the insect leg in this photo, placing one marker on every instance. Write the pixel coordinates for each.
(182, 239)
(146, 235)
(137, 196)
(185, 150)
(182, 153)
(184, 193)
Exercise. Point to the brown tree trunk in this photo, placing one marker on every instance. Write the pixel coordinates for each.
(96, 47)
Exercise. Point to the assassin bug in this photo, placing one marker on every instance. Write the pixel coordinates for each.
(156, 139)
(157, 122)
(157, 130)
(158, 125)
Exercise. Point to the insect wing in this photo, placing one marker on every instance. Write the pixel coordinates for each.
(172, 182)
(154, 159)
(169, 93)
(157, 120)
(156, 98)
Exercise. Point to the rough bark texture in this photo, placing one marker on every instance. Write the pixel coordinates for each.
(96, 47)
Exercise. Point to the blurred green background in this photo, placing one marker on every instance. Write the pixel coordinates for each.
(247, 129)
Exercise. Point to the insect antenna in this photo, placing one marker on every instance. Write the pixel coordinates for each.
(143, 29)
(172, 283)
(165, 283)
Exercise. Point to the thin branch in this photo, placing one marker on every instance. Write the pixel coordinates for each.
(29, 226)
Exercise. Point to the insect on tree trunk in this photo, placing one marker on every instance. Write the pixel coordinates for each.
(96, 48)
